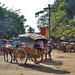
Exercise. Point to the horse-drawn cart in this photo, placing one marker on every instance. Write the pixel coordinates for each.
(27, 51)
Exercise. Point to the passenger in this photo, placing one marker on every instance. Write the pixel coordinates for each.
(2, 42)
(15, 44)
(38, 45)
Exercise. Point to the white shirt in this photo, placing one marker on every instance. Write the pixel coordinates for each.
(41, 44)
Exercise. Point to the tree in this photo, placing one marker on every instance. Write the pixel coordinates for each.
(26, 27)
(30, 30)
(62, 18)
(11, 23)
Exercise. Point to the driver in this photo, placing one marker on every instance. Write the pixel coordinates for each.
(39, 45)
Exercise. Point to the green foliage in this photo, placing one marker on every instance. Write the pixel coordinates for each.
(11, 23)
(62, 19)
(30, 30)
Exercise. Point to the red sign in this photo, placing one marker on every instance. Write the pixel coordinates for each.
(43, 31)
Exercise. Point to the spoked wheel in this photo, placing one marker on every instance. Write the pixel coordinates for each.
(21, 56)
(37, 60)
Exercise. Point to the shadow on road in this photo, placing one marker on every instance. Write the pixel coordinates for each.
(52, 62)
(44, 69)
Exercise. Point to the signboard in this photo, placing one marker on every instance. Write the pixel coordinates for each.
(43, 31)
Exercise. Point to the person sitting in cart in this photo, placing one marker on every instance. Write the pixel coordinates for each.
(15, 44)
(38, 45)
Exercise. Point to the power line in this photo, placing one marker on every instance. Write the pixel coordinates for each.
(47, 3)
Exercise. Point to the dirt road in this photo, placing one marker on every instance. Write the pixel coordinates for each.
(62, 64)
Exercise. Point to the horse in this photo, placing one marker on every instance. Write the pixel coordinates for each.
(73, 47)
(70, 48)
(9, 49)
(1, 49)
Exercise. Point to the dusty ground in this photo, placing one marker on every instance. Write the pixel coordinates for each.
(62, 64)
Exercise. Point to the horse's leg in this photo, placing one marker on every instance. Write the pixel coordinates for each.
(1, 51)
(74, 49)
(7, 56)
(70, 50)
(14, 57)
(11, 57)
(67, 50)
(4, 56)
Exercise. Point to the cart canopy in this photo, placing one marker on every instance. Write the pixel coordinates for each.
(31, 37)
(71, 40)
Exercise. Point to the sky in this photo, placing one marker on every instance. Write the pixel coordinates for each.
(28, 8)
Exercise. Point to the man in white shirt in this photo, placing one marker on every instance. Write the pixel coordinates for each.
(40, 43)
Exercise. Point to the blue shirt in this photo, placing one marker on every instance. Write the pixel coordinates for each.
(15, 42)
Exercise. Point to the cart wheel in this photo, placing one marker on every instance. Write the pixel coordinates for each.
(37, 60)
(21, 56)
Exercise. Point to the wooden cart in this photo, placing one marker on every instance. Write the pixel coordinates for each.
(25, 53)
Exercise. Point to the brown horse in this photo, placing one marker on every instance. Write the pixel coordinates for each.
(8, 50)
(73, 47)
(1, 49)
(70, 48)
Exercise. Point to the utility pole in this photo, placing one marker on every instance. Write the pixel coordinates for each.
(49, 20)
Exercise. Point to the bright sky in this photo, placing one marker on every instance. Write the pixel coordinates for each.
(28, 8)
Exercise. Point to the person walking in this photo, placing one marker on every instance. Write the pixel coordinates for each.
(50, 49)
